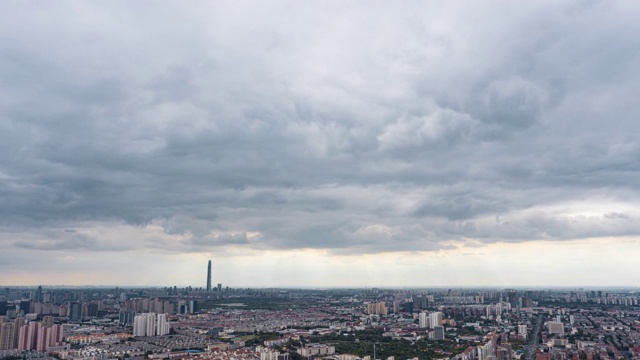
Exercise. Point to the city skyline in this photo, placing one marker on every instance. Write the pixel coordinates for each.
(320, 144)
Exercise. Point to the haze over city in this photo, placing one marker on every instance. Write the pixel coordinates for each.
(320, 144)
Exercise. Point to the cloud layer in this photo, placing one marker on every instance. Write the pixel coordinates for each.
(357, 128)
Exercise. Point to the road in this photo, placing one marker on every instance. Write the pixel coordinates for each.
(533, 345)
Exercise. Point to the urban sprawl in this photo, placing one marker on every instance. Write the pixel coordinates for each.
(222, 323)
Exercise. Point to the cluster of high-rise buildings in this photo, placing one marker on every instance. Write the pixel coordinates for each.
(155, 305)
(432, 321)
(150, 324)
(377, 308)
(38, 336)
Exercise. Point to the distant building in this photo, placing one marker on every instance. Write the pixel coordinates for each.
(423, 319)
(522, 330)
(555, 327)
(126, 317)
(438, 333)
(378, 308)
(150, 324)
(504, 353)
(75, 312)
(6, 336)
(317, 350)
(435, 319)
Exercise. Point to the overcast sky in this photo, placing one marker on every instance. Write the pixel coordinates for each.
(320, 143)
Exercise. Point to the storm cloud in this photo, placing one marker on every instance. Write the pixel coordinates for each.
(357, 128)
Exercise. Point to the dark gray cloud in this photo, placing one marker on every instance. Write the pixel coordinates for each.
(357, 129)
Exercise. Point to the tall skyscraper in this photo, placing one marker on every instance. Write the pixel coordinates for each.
(209, 276)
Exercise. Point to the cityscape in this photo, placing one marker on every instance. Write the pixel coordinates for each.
(226, 323)
(319, 180)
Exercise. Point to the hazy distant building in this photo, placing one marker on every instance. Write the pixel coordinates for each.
(75, 312)
(24, 307)
(397, 306)
(512, 298)
(3, 308)
(38, 295)
(378, 308)
(420, 302)
(555, 327)
(126, 317)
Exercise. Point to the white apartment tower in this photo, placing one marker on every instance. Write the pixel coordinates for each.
(423, 319)
(435, 319)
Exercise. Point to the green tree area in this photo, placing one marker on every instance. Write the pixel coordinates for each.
(361, 344)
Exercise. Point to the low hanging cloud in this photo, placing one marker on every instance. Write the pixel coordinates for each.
(351, 128)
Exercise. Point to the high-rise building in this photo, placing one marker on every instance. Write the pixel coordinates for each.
(3, 308)
(92, 310)
(17, 325)
(24, 307)
(34, 329)
(150, 324)
(435, 319)
(38, 294)
(396, 306)
(6, 336)
(162, 325)
(522, 330)
(126, 317)
(75, 312)
(512, 298)
(56, 335)
(23, 334)
(143, 323)
(378, 308)
(43, 338)
(438, 333)
(423, 319)
(209, 276)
